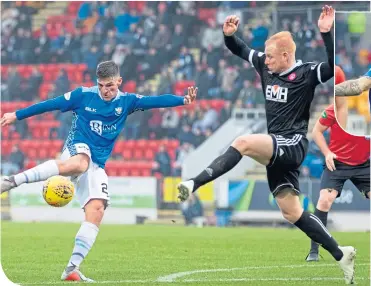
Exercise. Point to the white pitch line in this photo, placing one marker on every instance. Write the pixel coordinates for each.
(174, 276)
(270, 279)
(171, 278)
(205, 280)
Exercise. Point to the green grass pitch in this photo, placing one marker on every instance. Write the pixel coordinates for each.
(36, 254)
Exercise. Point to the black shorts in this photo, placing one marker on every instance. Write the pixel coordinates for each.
(359, 175)
(288, 154)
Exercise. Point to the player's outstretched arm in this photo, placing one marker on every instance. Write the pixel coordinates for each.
(353, 87)
(320, 140)
(64, 103)
(166, 100)
(325, 23)
(234, 43)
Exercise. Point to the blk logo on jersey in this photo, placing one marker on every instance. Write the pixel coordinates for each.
(276, 93)
(98, 127)
(90, 109)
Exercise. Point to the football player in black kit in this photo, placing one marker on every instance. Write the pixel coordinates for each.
(289, 89)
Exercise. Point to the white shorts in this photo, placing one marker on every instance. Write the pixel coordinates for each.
(93, 184)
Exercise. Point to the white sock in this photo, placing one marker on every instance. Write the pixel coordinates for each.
(84, 241)
(39, 173)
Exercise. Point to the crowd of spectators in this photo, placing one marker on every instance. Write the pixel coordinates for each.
(353, 47)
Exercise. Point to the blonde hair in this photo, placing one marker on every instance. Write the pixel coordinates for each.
(283, 41)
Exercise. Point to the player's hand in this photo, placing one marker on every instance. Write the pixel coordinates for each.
(230, 25)
(330, 161)
(326, 19)
(191, 95)
(8, 119)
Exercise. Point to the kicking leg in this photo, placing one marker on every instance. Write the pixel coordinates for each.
(73, 166)
(257, 146)
(325, 201)
(84, 240)
(290, 206)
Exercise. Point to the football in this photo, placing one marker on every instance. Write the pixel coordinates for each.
(58, 191)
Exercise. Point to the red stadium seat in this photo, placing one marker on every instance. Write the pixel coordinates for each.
(127, 154)
(137, 154)
(204, 14)
(130, 86)
(149, 154)
(119, 147)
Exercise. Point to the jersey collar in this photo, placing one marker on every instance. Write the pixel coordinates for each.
(298, 63)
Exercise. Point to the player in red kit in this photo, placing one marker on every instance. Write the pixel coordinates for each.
(347, 158)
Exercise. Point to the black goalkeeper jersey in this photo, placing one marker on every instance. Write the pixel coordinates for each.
(288, 95)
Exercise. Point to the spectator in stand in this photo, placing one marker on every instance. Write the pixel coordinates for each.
(75, 47)
(170, 122)
(186, 64)
(249, 95)
(259, 35)
(185, 135)
(64, 52)
(42, 49)
(162, 162)
(91, 58)
(107, 53)
(209, 119)
(140, 44)
(14, 83)
(125, 19)
(166, 81)
(177, 40)
(211, 36)
(33, 84)
(225, 112)
(161, 38)
(62, 83)
(17, 157)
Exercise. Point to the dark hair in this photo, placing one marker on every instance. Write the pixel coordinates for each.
(107, 69)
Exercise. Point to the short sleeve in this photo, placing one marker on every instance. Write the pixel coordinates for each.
(328, 117)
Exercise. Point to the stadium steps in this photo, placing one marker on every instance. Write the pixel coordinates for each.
(51, 9)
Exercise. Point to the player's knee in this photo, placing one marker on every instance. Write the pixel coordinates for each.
(291, 216)
(242, 144)
(94, 211)
(326, 199)
(75, 165)
(82, 163)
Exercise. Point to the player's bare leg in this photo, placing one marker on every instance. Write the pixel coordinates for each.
(325, 201)
(84, 240)
(256, 146)
(288, 202)
(73, 166)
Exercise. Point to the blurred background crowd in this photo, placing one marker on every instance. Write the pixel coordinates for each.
(353, 54)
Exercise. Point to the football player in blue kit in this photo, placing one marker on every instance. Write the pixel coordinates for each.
(99, 115)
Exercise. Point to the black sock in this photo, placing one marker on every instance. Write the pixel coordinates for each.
(218, 167)
(323, 218)
(312, 226)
